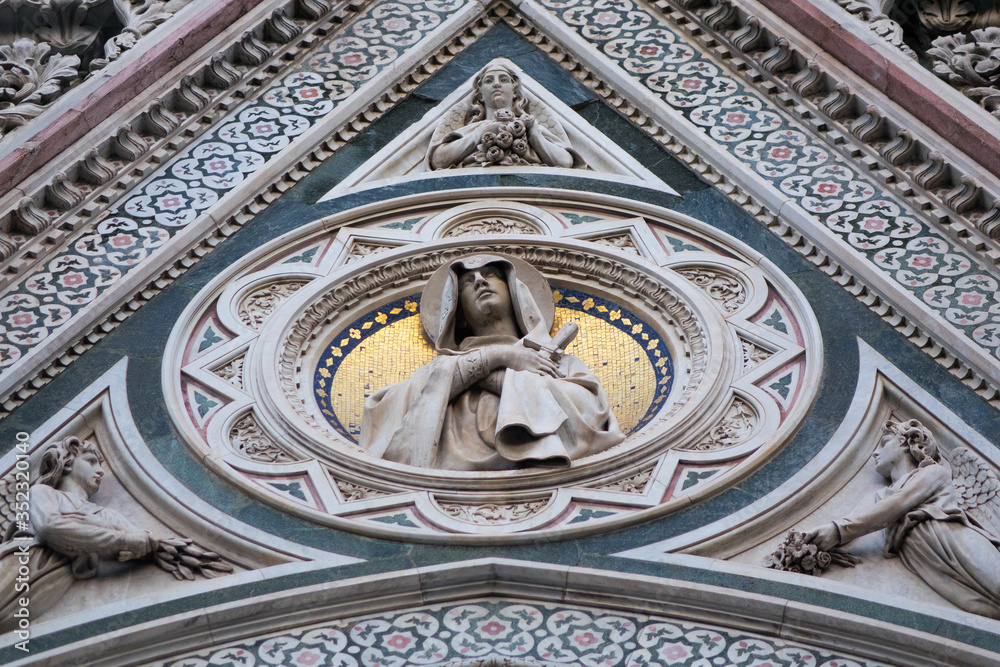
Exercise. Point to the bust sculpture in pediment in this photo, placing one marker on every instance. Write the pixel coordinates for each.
(500, 125)
(500, 394)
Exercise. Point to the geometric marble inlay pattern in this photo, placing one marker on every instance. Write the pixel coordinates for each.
(47, 299)
(482, 631)
(755, 131)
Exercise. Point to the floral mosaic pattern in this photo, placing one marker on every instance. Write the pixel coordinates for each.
(753, 130)
(177, 194)
(756, 132)
(529, 633)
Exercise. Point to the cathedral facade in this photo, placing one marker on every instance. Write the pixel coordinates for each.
(533, 332)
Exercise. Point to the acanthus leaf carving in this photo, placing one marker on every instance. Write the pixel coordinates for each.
(32, 77)
(353, 492)
(232, 372)
(634, 484)
(735, 428)
(490, 226)
(361, 250)
(260, 303)
(492, 514)
(723, 288)
(753, 355)
(247, 437)
(623, 242)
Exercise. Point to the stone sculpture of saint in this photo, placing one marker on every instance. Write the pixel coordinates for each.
(68, 533)
(940, 518)
(499, 395)
(500, 126)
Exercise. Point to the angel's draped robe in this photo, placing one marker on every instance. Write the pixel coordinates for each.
(534, 418)
(935, 539)
(70, 535)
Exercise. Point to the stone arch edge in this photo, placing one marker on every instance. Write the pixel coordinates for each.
(218, 625)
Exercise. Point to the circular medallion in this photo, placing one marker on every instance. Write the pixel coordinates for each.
(707, 356)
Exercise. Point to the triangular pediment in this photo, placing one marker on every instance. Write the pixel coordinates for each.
(407, 157)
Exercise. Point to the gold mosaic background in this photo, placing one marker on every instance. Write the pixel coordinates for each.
(394, 352)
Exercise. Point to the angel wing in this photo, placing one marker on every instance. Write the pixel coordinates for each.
(548, 118)
(978, 488)
(453, 119)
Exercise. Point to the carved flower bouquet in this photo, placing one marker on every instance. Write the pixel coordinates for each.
(795, 554)
(508, 145)
(183, 558)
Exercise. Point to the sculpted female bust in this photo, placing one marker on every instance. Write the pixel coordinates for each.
(496, 128)
(500, 394)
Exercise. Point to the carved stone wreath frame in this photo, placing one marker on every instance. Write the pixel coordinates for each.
(746, 351)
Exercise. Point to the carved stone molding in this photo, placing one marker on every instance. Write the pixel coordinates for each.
(490, 226)
(623, 242)
(232, 372)
(353, 492)
(259, 304)
(491, 514)
(360, 250)
(735, 428)
(363, 308)
(634, 484)
(52, 44)
(247, 438)
(723, 288)
(753, 355)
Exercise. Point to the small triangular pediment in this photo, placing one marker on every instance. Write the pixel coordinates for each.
(590, 151)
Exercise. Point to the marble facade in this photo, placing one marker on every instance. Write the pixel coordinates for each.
(218, 221)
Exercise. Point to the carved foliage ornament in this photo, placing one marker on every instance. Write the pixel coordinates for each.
(47, 45)
(490, 226)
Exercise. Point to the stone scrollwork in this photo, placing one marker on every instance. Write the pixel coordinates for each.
(634, 484)
(720, 286)
(353, 492)
(623, 242)
(487, 226)
(971, 63)
(735, 428)
(64, 535)
(360, 250)
(260, 303)
(247, 437)
(32, 77)
(493, 513)
(232, 372)
(48, 45)
(753, 355)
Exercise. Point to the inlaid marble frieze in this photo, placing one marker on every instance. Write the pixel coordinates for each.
(503, 632)
(707, 354)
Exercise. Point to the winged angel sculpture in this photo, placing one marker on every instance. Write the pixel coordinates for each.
(941, 517)
(500, 125)
(53, 535)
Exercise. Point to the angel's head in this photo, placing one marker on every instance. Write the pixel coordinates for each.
(72, 461)
(905, 443)
(496, 87)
